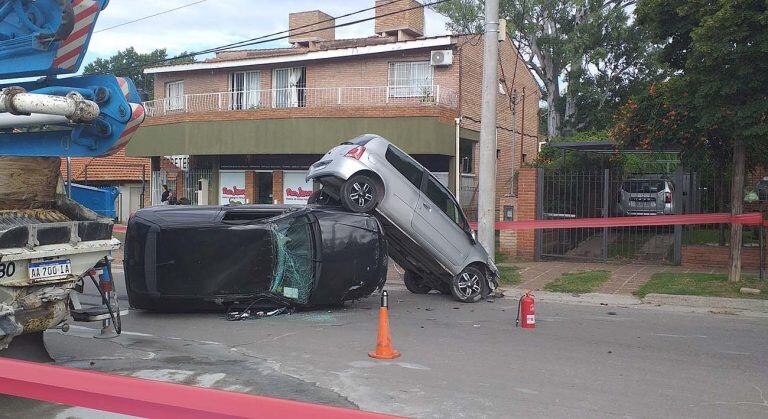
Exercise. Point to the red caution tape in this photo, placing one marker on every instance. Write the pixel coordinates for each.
(146, 398)
(754, 218)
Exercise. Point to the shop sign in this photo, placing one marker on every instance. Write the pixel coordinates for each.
(296, 190)
(232, 188)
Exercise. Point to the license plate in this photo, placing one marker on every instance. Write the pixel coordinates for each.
(49, 269)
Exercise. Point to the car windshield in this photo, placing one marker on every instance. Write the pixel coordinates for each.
(293, 272)
(643, 186)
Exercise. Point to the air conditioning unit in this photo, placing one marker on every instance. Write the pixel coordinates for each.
(441, 57)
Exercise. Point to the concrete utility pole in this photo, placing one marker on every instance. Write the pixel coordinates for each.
(486, 205)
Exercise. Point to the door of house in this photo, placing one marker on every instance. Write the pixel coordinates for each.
(245, 89)
(289, 86)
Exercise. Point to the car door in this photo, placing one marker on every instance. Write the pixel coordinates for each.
(439, 221)
(403, 180)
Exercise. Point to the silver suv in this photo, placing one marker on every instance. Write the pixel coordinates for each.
(646, 197)
(427, 231)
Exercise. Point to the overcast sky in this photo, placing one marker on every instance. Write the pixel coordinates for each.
(217, 22)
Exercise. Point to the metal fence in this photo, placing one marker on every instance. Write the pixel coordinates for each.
(607, 193)
(431, 95)
(182, 184)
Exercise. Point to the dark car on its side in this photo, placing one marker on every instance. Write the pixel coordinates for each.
(210, 257)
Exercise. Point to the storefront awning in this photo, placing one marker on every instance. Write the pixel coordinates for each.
(416, 135)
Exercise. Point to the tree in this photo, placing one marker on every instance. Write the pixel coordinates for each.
(590, 45)
(131, 64)
(715, 105)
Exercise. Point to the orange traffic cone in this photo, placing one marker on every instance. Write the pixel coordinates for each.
(384, 348)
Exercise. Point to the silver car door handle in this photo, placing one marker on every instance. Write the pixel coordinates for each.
(426, 207)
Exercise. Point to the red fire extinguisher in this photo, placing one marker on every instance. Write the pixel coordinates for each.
(527, 311)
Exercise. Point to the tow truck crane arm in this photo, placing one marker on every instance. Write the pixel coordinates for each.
(84, 116)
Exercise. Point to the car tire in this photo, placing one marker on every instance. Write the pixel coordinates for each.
(414, 283)
(321, 197)
(469, 286)
(360, 193)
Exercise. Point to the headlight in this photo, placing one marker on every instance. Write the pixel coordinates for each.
(492, 265)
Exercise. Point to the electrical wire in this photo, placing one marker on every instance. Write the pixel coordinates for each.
(150, 16)
(274, 36)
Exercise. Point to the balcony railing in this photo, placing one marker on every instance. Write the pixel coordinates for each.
(432, 95)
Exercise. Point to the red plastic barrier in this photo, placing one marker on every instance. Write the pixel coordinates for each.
(146, 398)
(754, 218)
(119, 229)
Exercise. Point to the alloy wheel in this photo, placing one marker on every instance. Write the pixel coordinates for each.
(361, 193)
(468, 284)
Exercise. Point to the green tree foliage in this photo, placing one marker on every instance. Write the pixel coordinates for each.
(718, 95)
(715, 103)
(592, 45)
(131, 64)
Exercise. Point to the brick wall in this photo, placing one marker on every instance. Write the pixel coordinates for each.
(521, 243)
(518, 126)
(317, 20)
(277, 186)
(411, 20)
(204, 81)
(249, 186)
(718, 257)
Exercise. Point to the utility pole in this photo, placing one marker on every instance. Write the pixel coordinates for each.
(486, 206)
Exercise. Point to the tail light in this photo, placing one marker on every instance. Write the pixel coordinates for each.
(667, 197)
(356, 152)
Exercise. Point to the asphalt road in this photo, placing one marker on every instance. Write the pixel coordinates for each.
(459, 360)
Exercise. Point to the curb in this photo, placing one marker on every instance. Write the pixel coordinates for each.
(662, 302)
(760, 306)
(595, 299)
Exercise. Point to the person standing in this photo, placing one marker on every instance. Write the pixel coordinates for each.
(164, 198)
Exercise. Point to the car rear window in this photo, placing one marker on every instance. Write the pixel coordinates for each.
(361, 140)
(643, 186)
(405, 165)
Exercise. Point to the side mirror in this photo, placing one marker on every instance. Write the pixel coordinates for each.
(472, 236)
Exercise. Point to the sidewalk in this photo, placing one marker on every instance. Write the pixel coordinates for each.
(626, 278)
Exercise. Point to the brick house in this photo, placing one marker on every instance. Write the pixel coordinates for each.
(130, 175)
(252, 121)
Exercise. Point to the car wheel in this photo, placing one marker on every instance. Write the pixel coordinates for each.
(321, 197)
(414, 283)
(469, 285)
(360, 193)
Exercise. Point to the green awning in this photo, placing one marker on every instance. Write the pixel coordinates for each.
(416, 135)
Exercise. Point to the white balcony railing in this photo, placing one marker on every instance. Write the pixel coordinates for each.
(433, 95)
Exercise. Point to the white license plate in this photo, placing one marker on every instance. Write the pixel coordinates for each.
(49, 269)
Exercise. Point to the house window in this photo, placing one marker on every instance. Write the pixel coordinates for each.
(466, 153)
(174, 94)
(289, 86)
(410, 79)
(245, 89)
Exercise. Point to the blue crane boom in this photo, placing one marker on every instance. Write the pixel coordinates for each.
(80, 116)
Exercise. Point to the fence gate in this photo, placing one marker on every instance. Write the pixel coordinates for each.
(606, 193)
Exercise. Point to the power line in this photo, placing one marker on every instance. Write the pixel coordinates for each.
(332, 19)
(273, 36)
(150, 16)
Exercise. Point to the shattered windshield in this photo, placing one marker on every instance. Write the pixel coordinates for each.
(293, 273)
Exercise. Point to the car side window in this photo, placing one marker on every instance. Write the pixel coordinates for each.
(405, 165)
(443, 199)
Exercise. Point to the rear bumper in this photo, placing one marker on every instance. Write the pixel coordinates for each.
(338, 167)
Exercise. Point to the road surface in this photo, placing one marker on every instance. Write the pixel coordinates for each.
(459, 360)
